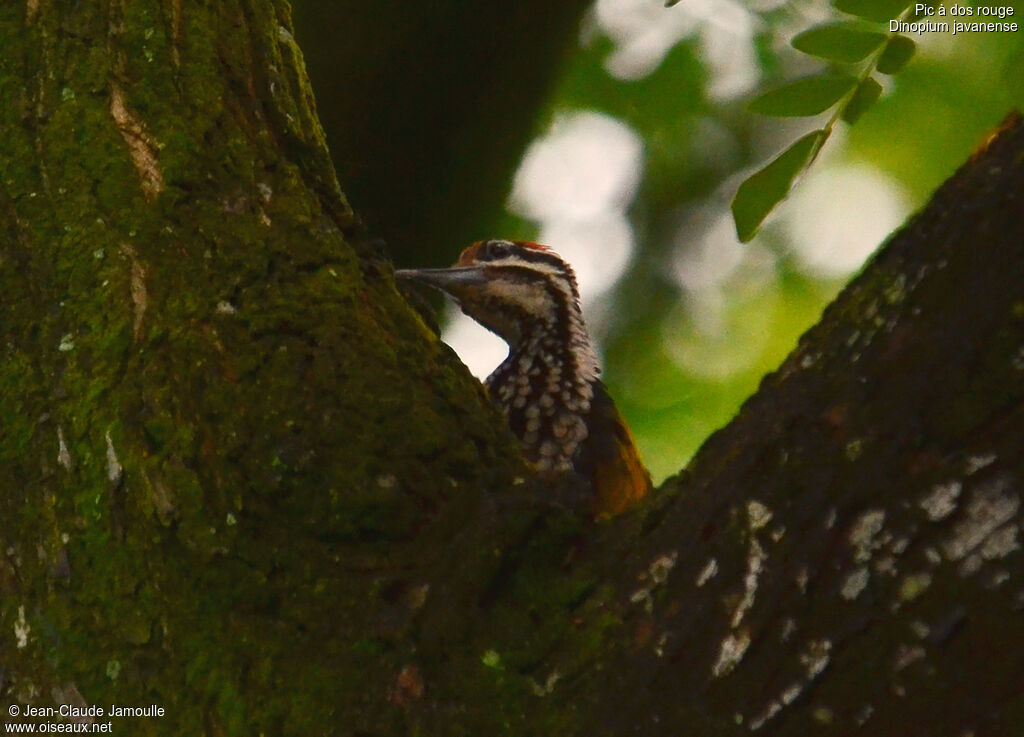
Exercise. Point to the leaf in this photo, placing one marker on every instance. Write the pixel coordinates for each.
(881, 11)
(761, 192)
(863, 98)
(670, 3)
(808, 96)
(843, 42)
(896, 54)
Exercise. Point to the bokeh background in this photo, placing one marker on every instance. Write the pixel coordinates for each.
(616, 132)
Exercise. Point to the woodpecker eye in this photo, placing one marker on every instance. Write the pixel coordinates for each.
(498, 249)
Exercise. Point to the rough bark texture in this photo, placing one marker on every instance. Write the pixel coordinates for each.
(239, 480)
(844, 557)
(214, 412)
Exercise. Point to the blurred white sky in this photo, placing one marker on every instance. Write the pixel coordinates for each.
(644, 31)
(578, 180)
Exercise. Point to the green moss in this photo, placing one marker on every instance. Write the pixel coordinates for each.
(270, 409)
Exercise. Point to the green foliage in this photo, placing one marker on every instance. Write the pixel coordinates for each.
(805, 97)
(880, 11)
(842, 42)
(863, 97)
(671, 97)
(759, 194)
(680, 361)
(897, 53)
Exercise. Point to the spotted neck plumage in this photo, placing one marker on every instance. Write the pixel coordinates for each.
(546, 385)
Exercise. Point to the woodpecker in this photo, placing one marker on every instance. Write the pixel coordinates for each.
(549, 386)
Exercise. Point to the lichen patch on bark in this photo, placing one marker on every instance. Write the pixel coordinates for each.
(140, 297)
(142, 147)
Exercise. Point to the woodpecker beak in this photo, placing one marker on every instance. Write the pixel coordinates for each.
(452, 280)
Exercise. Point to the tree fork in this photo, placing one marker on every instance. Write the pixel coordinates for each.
(240, 481)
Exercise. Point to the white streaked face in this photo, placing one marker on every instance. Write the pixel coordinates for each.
(522, 284)
(526, 295)
(511, 288)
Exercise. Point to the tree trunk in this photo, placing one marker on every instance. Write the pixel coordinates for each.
(241, 482)
(216, 415)
(844, 557)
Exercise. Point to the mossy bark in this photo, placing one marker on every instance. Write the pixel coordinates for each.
(240, 481)
(844, 557)
(217, 417)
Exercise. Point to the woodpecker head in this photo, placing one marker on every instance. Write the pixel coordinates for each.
(513, 288)
(548, 387)
(527, 295)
